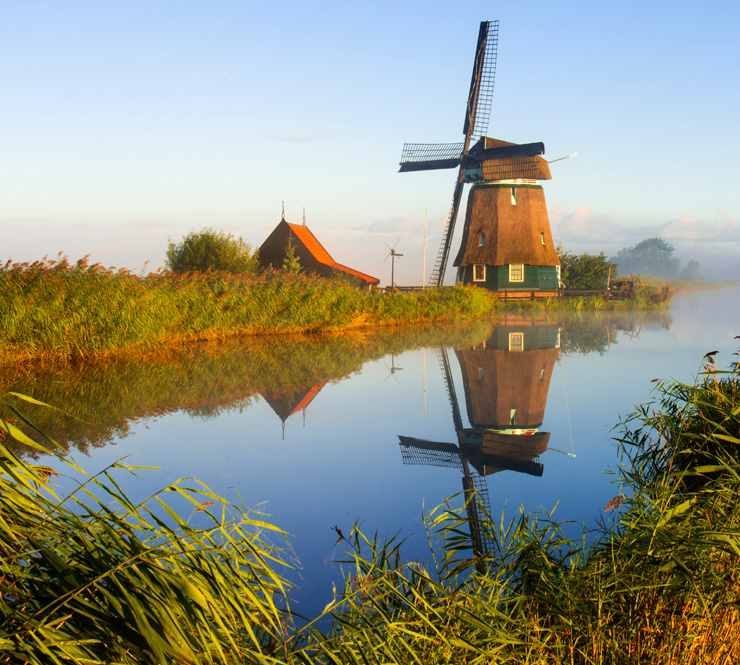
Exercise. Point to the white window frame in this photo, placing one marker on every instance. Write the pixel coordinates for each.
(516, 341)
(482, 279)
(517, 267)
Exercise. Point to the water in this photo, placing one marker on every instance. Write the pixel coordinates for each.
(308, 431)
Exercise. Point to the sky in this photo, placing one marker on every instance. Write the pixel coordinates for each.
(126, 124)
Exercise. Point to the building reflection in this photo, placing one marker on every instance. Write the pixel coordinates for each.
(505, 383)
(291, 403)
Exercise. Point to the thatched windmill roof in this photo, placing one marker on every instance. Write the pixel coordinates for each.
(513, 233)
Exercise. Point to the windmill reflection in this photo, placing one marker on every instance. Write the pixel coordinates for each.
(506, 380)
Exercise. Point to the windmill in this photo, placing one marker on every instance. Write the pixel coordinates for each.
(504, 247)
(506, 381)
(392, 254)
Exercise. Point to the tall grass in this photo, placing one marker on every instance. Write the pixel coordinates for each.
(93, 578)
(61, 311)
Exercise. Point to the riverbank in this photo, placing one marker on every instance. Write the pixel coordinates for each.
(656, 581)
(57, 312)
(678, 285)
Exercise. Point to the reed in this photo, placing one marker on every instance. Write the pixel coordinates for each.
(59, 311)
(94, 578)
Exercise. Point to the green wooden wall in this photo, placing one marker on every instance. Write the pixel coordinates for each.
(536, 278)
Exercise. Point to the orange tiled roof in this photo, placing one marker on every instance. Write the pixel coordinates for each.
(321, 255)
(308, 397)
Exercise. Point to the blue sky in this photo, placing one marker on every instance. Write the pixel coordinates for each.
(123, 124)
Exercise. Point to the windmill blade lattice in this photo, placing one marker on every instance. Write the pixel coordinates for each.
(427, 156)
(478, 112)
(480, 98)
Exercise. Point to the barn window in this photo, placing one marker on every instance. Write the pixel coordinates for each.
(516, 341)
(482, 242)
(513, 196)
(516, 272)
(479, 272)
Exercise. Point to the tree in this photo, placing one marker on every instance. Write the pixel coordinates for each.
(653, 256)
(586, 271)
(291, 262)
(691, 271)
(210, 250)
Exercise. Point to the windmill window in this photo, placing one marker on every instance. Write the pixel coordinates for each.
(482, 242)
(512, 417)
(542, 374)
(516, 341)
(481, 374)
(479, 272)
(516, 272)
(542, 237)
(513, 196)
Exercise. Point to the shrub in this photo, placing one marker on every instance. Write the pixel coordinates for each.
(207, 249)
(586, 271)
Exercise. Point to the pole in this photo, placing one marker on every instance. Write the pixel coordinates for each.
(424, 254)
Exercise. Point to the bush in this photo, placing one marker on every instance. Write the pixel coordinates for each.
(586, 271)
(207, 249)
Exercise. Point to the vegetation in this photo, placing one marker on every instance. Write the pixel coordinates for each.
(586, 271)
(201, 251)
(654, 256)
(54, 310)
(291, 262)
(96, 579)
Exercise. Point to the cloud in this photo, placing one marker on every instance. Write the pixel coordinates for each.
(691, 232)
(715, 244)
(409, 224)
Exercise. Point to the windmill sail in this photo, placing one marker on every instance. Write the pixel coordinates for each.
(428, 156)
(480, 97)
(477, 114)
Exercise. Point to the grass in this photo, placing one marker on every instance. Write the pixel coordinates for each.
(93, 578)
(686, 284)
(57, 311)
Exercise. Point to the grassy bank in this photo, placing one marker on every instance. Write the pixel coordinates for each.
(687, 284)
(53, 310)
(56, 311)
(100, 580)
